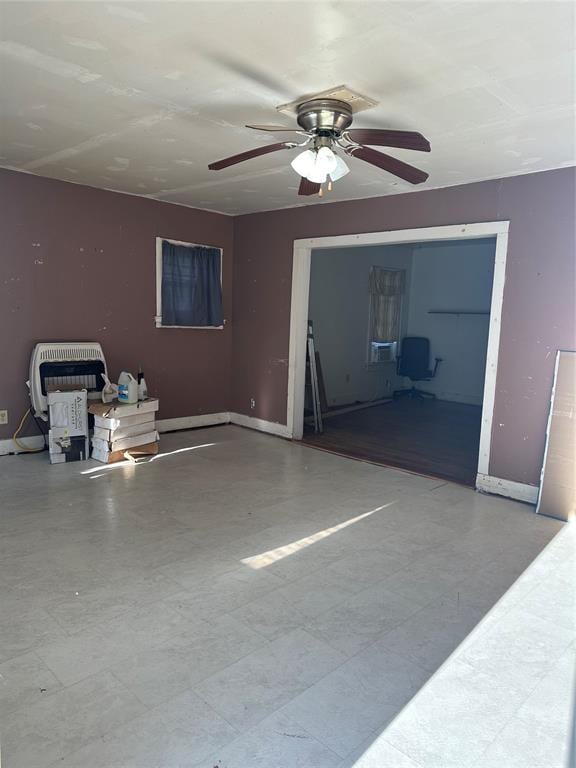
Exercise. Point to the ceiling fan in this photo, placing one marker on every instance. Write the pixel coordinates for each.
(325, 126)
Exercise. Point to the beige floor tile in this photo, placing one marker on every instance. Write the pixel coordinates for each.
(24, 680)
(189, 656)
(234, 602)
(41, 733)
(277, 741)
(254, 687)
(359, 620)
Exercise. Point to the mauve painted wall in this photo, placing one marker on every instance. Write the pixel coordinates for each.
(538, 313)
(51, 289)
(79, 264)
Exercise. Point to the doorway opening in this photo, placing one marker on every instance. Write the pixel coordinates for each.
(406, 327)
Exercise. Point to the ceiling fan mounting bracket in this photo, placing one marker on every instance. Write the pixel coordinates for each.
(320, 115)
(356, 101)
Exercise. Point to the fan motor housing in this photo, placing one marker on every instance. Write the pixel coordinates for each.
(324, 115)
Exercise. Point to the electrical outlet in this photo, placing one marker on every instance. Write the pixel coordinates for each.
(252, 403)
(3, 417)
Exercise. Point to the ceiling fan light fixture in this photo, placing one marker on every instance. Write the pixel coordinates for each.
(304, 163)
(340, 169)
(325, 160)
(315, 165)
(317, 175)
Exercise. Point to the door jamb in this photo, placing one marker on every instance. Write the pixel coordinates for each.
(299, 311)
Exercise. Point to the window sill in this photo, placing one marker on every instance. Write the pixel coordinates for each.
(192, 327)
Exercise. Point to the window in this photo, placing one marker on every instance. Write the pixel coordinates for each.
(386, 289)
(188, 285)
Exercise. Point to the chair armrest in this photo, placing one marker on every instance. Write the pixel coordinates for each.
(438, 361)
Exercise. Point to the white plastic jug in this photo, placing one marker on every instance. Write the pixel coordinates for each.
(127, 388)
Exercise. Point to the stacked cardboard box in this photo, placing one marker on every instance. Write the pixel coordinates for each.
(121, 429)
(68, 433)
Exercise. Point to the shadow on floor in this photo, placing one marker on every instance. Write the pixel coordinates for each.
(447, 662)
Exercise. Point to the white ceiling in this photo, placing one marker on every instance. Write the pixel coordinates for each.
(141, 96)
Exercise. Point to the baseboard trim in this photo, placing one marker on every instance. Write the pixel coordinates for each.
(452, 397)
(225, 417)
(272, 427)
(9, 446)
(172, 425)
(509, 488)
(350, 408)
(193, 422)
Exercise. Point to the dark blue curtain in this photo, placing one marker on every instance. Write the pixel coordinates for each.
(191, 287)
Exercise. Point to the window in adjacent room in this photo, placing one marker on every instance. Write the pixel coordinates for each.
(188, 285)
(386, 290)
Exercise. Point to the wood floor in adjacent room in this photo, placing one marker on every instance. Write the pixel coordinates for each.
(432, 437)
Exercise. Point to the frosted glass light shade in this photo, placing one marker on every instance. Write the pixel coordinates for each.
(317, 175)
(315, 165)
(304, 163)
(340, 169)
(325, 160)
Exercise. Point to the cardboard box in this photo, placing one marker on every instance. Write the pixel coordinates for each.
(123, 431)
(126, 442)
(103, 454)
(116, 410)
(126, 421)
(66, 447)
(67, 410)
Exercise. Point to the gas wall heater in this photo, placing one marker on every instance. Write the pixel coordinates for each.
(65, 365)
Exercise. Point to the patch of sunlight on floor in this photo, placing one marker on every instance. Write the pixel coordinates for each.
(273, 555)
(141, 462)
(467, 698)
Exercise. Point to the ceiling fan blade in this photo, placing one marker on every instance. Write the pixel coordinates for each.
(385, 138)
(390, 164)
(217, 166)
(273, 128)
(308, 187)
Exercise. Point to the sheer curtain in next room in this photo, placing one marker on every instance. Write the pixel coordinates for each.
(386, 287)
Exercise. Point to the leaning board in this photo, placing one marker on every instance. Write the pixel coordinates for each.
(557, 497)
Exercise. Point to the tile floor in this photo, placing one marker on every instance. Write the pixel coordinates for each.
(241, 602)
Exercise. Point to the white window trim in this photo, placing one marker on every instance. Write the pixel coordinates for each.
(158, 316)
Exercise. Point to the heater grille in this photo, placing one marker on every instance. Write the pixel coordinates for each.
(61, 352)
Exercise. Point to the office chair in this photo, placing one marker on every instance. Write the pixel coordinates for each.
(414, 363)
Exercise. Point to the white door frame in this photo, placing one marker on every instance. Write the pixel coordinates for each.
(299, 311)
